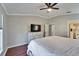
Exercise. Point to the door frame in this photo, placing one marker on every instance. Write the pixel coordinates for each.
(68, 23)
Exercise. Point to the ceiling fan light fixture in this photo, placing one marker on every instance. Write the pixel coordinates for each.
(49, 9)
(50, 6)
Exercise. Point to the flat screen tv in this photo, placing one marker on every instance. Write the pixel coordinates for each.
(35, 28)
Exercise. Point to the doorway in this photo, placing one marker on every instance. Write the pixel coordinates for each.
(74, 30)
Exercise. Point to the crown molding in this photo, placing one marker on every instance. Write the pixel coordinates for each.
(28, 15)
(3, 6)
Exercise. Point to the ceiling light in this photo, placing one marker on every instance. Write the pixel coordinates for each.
(49, 9)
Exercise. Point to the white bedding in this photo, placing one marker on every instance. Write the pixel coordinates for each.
(54, 46)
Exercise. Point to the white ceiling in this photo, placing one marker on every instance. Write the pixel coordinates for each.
(33, 9)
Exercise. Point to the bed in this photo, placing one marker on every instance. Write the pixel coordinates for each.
(53, 46)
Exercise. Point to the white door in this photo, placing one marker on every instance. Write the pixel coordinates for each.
(77, 33)
(1, 33)
(46, 26)
(1, 40)
(52, 30)
(49, 29)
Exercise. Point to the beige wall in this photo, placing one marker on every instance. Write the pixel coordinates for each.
(18, 26)
(61, 26)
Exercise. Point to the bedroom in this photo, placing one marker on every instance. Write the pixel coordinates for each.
(17, 18)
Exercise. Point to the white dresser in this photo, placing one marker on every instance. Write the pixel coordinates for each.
(34, 35)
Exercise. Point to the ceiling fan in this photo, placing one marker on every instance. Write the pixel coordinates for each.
(50, 6)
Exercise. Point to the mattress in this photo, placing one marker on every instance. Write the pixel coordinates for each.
(53, 46)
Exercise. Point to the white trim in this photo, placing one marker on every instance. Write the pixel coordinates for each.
(20, 14)
(17, 45)
(16, 14)
(5, 52)
(0, 51)
(4, 8)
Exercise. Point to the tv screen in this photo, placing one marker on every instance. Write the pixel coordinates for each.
(35, 28)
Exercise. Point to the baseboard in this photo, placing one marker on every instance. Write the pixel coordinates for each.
(5, 52)
(17, 45)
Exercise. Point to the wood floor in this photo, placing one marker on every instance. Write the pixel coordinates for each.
(17, 51)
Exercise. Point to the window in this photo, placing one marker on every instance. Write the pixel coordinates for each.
(1, 33)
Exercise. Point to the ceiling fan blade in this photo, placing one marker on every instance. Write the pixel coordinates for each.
(54, 4)
(55, 8)
(43, 8)
(47, 4)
